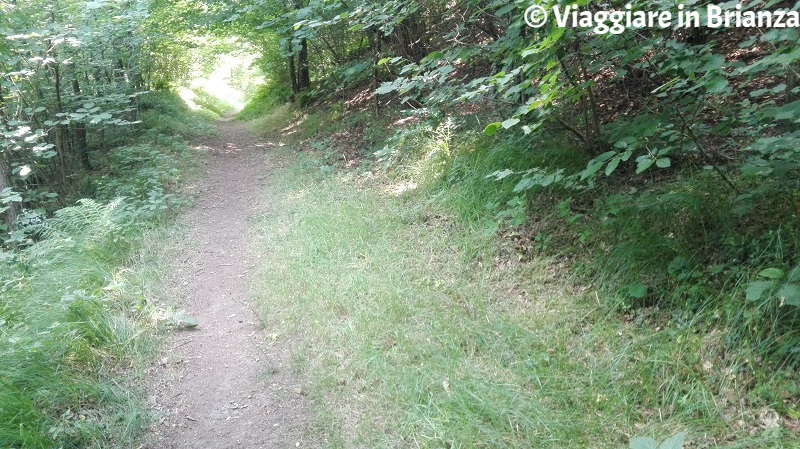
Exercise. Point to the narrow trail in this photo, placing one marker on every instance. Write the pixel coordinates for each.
(226, 384)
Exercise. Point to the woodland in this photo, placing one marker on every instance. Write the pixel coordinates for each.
(651, 175)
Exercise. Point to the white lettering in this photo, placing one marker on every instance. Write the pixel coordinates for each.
(714, 16)
(779, 15)
(561, 19)
(664, 19)
(793, 19)
(616, 21)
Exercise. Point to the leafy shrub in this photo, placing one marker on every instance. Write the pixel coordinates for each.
(146, 176)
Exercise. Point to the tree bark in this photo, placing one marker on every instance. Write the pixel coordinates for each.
(293, 75)
(80, 139)
(10, 215)
(303, 76)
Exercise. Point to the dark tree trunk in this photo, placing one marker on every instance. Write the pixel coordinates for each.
(9, 217)
(11, 214)
(375, 44)
(303, 77)
(293, 76)
(80, 140)
(61, 131)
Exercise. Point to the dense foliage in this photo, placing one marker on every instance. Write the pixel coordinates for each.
(90, 158)
(72, 74)
(659, 165)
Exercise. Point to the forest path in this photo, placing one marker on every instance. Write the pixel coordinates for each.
(226, 384)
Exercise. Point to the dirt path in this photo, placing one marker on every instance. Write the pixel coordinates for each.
(226, 384)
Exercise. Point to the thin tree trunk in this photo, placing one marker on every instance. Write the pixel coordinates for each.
(80, 139)
(293, 76)
(11, 214)
(303, 76)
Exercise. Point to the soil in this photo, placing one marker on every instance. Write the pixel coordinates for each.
(225, 383)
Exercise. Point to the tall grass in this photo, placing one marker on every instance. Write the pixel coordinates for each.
(418, 333)
(62, 333)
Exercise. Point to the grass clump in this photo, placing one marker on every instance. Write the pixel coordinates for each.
(473, 291)
(280, 121)
(210, 102)
(164, 113)
(267, 97)
(62, 333)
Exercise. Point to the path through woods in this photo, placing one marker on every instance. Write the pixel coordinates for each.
(226, 383)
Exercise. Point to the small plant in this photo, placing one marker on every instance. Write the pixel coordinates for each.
(673, 442)
(788, 288)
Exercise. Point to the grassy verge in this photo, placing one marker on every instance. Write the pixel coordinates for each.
(79, 300)
(417, 332)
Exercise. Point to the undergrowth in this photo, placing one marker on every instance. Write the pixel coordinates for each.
(77, 300)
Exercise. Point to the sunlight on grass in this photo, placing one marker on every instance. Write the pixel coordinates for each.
(417, 334)
(226, 85)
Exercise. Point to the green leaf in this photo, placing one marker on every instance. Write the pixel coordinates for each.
(755, 290)
(790, 294)
(789, 111)
(612, 165)
(643, 163)
(673, 442)
(779, 88)
(794, 275)
(385, 88)
(637, 291)
(509, 123)
(643, 443)
(591, 169)
(505, 10)
(663, 162)
(491, 128)
(716, 85)
(771, 273)
(501, 174)
(490, 227)
(383, 61)
(713, 63)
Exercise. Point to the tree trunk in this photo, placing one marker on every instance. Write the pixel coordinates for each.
(10, 215)
(80, 139)
(61, 130)
(375, 45)
(293, 76)
(303, 77)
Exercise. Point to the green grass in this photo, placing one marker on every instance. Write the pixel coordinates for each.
(282, 121)
(75, 329)
(164, 113)
(219, 107)
(267, 97)
(418, 332)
